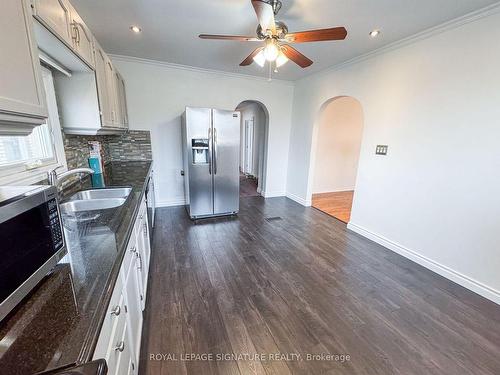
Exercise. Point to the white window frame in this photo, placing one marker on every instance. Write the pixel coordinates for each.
(27, 173)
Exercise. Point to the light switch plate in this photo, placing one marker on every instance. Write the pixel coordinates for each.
(381, 150)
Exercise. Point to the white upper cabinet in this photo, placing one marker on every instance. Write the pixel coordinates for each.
(122, 100)
(91, 97)
(22, 97)
(105, 101)
(56, 15)
(112, 92)
(83, 41)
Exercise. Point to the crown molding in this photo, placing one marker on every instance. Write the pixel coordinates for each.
(197, 70)
(425, 34)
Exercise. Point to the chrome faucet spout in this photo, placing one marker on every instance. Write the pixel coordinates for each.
(55, 179)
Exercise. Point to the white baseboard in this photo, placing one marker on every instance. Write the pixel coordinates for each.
(273, 194)
(172, 202)
(299, 200)
(465, 281)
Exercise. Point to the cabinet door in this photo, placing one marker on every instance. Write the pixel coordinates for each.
(21, 88)
(82, 38)
(133, 302)
(122, 98)
(111, 90)
(55, 14)
(102, 85)
(118, 106)
(144, 247)
(126, 359)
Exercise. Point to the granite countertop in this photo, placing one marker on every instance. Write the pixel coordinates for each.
(59, 322)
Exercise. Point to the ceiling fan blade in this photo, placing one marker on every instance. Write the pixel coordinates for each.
(230, 37)
(250, 57)
(296, 56)
(335, 33)
(265, 15)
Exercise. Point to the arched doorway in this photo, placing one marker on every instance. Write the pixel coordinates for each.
(253, 147)
(337, 149)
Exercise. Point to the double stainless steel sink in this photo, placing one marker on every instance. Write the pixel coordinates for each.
(96, 199)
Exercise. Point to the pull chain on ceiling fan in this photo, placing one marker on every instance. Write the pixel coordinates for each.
(277, 39)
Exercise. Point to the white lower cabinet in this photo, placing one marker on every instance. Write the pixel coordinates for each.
(144, 251)
(119, 342)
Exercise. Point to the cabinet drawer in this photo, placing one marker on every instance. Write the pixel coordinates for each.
(116, 305)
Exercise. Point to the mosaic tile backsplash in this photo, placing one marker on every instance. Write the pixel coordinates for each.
(131, 145)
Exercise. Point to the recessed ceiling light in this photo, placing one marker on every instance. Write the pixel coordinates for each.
(135, 29)
(374, 33)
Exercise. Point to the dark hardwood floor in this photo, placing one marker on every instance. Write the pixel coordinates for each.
(303, 284)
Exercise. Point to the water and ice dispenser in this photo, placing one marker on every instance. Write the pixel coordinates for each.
(200, 150)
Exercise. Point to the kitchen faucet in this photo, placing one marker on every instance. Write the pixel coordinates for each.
(55, 179)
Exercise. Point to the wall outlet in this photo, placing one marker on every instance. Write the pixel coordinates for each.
(381, 150)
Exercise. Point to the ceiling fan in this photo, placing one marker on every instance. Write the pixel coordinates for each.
(275, 36)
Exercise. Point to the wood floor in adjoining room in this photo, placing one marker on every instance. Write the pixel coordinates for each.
(282, 278)
(338, 204)
(248, 186)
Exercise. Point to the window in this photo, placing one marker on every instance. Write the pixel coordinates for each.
(31, 149)
(24, 159)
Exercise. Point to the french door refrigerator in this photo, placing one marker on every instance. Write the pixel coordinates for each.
(211, 153)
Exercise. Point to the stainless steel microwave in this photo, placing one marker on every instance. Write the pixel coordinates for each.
(31, 241)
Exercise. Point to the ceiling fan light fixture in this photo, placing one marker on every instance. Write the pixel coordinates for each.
(281, 59)
(271, 50)
(260, 59)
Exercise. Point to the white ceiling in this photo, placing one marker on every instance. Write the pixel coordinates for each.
(171, 28)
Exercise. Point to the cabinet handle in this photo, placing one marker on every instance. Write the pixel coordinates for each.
(133, 250)
(76, 33)
(120, 347)
(78, 36)
(116, 311)
(145, 227)
(139, 266)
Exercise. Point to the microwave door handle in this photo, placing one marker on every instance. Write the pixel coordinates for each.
(215, 150)
(209, 150)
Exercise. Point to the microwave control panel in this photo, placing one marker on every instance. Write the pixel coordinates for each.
(55, 224)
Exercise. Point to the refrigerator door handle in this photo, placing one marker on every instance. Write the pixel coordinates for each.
(209, 150)
(215, 151)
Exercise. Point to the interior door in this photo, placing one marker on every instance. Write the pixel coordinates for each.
(226, 150)
(199, 148)
(249, 128)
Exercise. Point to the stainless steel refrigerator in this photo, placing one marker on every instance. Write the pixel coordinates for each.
(211, 153)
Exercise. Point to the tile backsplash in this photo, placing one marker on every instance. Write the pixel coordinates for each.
(131, 145)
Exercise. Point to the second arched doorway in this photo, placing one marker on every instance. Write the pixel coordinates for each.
(337, 150)
(253, 147)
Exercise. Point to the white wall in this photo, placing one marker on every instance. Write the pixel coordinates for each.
(157, 94)
(337, 146)
(436, 103)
